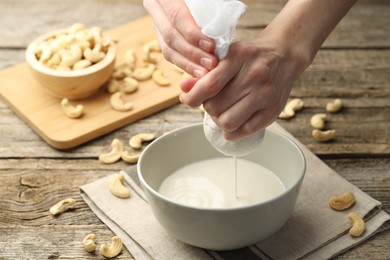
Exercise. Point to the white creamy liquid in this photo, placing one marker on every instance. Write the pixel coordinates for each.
(213, 183)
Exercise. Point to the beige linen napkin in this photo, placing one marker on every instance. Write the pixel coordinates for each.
(314, 231)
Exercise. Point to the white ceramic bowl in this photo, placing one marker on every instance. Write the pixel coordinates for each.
(220, 229)
(74, 84)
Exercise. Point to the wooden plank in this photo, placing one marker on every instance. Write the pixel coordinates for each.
(53, 242)
(362, 27)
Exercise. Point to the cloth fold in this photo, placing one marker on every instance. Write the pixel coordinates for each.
(314, 231)
(218, 20)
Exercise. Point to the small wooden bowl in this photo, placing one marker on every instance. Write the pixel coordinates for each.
(74, 84)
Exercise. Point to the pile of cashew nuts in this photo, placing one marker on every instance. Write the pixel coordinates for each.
(76, 48)
(317, 121)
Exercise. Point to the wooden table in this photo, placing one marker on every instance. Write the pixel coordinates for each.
(354, 65)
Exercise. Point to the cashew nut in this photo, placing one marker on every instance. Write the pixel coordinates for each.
(159, 78)
(58, 43)
(358, 225)
(114, 155)
(148, 48)
(70, 57)
(82, 64)
(84, 44)
(136, 140)
(152, 46)
(62, 206)
(54, 61)
(323, 136)
(113, 86)
(113, 249)
(130, 59)
(291, 107)
(130, 85)
(121, 72)
(119, 104)
(46, 54)
(83, 35)
(318, 120)
(94, 55)
(89, 243)
(76, 28)
(144, 73)
(342, 201)
(334, 106)
(71, 111)
(117, 188)
(150, 57)
(130, 158)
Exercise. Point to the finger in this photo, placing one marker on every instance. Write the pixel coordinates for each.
(229, 88)
(227, 97)
(187, 84)
(182, 19)
(237, 114)
(181, 61)
(175, 42)
(206, 87)
(259, 120)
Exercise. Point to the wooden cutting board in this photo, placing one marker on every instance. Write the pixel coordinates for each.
(44, 114)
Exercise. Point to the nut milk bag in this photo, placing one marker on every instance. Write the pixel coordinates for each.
(218, 20)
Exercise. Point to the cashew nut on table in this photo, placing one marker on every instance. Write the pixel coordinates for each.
(70, 110)
(63, 206)
(115, 153)
(89, 243)
(137, 140)
(117, 187)
(113, 249)
(343, 201)
(358, 225)
(291, 108)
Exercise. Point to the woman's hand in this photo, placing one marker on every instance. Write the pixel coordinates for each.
(247, 90)
(181, 39)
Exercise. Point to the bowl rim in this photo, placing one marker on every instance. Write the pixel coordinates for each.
(230, 209)
(35, 64)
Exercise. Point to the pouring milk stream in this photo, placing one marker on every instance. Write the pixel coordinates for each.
(209, 187)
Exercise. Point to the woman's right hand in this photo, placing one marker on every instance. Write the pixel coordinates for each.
(181, 39)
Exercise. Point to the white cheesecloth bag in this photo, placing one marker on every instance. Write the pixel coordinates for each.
(218, 20)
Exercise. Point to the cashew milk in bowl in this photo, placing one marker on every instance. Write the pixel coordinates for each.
(220, 183)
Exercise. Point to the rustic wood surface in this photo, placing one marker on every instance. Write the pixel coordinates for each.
(353, 65)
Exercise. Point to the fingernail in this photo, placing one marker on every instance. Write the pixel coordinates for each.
(205, 45)
(199, 73)
(206, 62)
